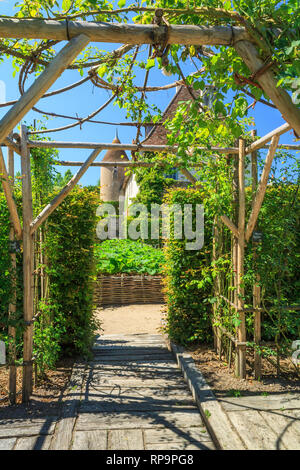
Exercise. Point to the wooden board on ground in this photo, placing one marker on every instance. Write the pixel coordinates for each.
(27, 428)
(155, 436)
(139, 419)
(7, 444)
(33, 443)
(125, 439)
(287, 427)
(129, 351)
(90, 440)
(181, 446)
(131, 358)
(259, 402)
(254, 431)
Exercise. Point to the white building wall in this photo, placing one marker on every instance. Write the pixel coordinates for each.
(131, 191)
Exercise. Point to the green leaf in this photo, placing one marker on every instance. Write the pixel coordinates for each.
(150, 64)
(102, 70)
(121, 3)
(66, 4)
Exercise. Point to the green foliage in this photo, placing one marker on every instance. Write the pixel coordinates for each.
(5, 263)
(69, 247)
(190, 275)
(187, 284)
(48, 334)
(273, 27)
(152, 183)
(65, 321)
(278, 262)
(6, 276)
(128, 256)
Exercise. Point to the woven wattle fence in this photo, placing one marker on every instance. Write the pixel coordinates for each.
(128, 289)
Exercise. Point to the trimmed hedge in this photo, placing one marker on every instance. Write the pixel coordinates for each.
(188, 317)
(70, 251)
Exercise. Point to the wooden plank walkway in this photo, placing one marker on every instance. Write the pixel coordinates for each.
(132, 396)
(266, 422)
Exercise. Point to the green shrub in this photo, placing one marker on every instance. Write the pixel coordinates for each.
(6, 277)
(278, 262)
(187, 284)
(5, 262)
(70, 251)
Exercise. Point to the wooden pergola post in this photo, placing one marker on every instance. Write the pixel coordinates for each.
(28, 247)
(256, 286)
(234, 233)
(216, 305)
(12, 306)
(241, 329)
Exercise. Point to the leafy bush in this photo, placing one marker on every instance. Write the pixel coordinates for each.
(128, 256)
(6, 274)
(70, 252)
(278, 262)
(5, 280)
(187, 283)
(152, 183)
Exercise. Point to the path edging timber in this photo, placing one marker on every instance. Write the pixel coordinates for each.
(218, 424)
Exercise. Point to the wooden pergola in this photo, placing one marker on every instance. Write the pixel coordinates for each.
(79, 35)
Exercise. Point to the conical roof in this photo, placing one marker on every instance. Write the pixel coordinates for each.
(115, 155)
(111, 179)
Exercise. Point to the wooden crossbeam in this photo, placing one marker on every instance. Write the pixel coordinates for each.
(125, 164)
(12, 145)
(63, 193)
(14, 217)
(262, 186)
(284, 147)
(188, 175)
(260, 143)
(65, 57)
(120, 33)
(132, 147)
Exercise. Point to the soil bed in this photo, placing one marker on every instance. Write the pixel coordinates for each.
(224, 383)
(46, 397)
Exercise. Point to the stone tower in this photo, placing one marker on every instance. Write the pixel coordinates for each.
(112, 178)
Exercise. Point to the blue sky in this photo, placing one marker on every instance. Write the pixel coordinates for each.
(85, 99)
